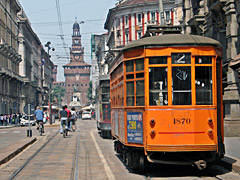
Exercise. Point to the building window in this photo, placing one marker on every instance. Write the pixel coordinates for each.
(126, 20)
(167, 13)
(117, 22)
(139, 35)
(127, 38)
(153, 17)
(139, 18)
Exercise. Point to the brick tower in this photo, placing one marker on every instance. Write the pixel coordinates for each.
(77, 72)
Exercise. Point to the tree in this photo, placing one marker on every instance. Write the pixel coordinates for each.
(58, 93)
(90, 91)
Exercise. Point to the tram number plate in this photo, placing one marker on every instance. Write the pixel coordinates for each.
(181, 121)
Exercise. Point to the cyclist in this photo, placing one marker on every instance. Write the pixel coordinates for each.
(69, 118)
(63, 117)
(39, 117)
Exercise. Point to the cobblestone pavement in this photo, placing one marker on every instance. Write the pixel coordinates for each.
(84, 155)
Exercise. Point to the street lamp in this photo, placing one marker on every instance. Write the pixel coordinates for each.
(49, 92)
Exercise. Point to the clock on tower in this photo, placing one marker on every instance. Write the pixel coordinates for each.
(76, 57)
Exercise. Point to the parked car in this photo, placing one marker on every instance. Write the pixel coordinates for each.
(25, 121)
(86, 115)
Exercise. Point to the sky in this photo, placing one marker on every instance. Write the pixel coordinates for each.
(44, 18)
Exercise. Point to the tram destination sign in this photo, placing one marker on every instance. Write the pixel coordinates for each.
(135, 127)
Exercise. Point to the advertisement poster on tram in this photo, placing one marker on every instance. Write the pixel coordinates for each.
(135, 127)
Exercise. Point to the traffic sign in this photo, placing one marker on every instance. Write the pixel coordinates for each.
(29, 109)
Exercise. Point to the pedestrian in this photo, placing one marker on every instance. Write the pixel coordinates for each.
(63, 117)
(1, 119)
(73, 118)
(5, 119)
(13, 118)
(17, 118)
(39, 117)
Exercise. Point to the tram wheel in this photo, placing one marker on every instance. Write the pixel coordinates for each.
(141, 162)
(129, 159)
(124, 157)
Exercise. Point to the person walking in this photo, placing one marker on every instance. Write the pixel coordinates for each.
(5, 119)
(39, 117)
(1, 119)
(73, 118)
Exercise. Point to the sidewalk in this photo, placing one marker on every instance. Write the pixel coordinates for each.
(231, 159)
(11, 150)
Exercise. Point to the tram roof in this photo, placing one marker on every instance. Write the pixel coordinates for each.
(173, 40)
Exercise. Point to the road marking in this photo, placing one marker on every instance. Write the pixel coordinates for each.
(16, 132)
(4, 132)
(106, 167)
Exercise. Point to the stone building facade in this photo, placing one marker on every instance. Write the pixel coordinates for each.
(25, 67)
(35, 67)
(129, 19)
(10, 80)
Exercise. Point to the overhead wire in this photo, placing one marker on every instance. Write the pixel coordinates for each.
(60, 27)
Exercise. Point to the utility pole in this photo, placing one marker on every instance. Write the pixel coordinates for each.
(161, 12)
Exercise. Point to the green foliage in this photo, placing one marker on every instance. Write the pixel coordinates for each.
(90, 91)
(58, 93)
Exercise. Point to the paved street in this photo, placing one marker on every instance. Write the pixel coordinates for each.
(85, 155)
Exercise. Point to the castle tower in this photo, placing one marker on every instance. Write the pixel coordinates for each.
(77, 72)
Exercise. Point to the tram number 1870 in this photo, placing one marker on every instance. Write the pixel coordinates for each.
(181, 121)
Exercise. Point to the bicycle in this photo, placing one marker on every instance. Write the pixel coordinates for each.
(64, 129)
(40, 128)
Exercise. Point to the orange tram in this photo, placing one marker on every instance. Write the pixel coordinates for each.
(166, 101)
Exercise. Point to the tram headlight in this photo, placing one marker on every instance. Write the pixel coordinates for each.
(152, 133)
(152, 122)
(210, 121)
(210, 131)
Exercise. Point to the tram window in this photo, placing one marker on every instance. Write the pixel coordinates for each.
(139, 75)
(158, 86)
(140, 93)
(181, 86)
(203, 82)
(203, 60)
(181, 58)
(139, 64)
(129, 66)
(130, 93)
(158, 60)
(130, 76)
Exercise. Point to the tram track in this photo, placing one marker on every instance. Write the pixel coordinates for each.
(74, 174)
(32, 157)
